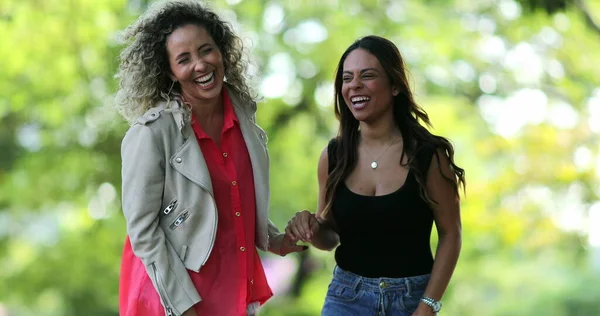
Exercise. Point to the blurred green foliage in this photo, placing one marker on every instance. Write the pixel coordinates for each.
(514, 84)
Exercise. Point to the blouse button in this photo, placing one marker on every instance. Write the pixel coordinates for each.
(242, 249)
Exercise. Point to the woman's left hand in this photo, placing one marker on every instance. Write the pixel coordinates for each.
(286, 245)
(424, 310)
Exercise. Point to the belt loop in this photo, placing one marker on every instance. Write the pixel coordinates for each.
(408, 289)
(357, 281)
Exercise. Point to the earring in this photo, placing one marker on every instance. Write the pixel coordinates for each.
(171, 88)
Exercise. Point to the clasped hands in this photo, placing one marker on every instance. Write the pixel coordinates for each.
(302, 227)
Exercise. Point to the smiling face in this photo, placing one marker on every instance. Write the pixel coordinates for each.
(366, 88)
(196, 63)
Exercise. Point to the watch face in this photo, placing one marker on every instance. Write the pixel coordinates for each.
(436, 306)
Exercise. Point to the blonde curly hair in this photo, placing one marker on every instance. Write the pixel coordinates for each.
(144, 65)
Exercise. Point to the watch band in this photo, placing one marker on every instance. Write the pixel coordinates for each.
(435, 305)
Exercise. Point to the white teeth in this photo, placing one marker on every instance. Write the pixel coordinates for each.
(360, 99)
(206, 84)
(205, 79)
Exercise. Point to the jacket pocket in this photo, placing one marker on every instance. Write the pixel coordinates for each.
(180, 219)
(160, 287)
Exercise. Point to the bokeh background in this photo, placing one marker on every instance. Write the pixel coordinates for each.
(515, 84)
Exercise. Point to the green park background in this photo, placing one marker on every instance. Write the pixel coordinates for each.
(515, 84)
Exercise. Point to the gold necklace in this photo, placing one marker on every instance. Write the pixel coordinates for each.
(374, 164)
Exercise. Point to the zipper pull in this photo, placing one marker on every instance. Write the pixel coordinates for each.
(170, 207)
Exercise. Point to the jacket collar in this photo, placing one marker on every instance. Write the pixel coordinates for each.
(190, 162)
(244, 110)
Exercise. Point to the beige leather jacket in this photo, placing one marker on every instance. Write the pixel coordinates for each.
(168, 198)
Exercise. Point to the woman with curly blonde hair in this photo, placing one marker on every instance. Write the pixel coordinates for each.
(195, 169)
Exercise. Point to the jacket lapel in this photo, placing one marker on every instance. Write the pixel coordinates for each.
(256, 151)
(189, 161)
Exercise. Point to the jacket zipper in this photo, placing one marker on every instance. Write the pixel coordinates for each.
(170, 207)
(212, 242)
(262, 133)
(161, 291)
(179, 220)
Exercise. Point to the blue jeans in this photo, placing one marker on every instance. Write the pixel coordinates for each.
(351, 294)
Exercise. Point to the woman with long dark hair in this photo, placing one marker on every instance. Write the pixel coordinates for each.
(383, 182)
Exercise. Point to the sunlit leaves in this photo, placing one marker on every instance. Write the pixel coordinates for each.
(515, 90)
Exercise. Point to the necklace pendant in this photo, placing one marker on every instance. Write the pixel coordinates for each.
(374, 164)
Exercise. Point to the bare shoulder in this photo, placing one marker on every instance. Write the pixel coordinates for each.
(324, 158)
(440, 164)
(442, 181)
(323, 166)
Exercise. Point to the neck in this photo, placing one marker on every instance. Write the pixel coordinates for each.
(379, 132)
(205, 110)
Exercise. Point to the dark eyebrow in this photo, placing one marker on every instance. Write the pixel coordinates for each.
(186, 53)
(204, 45)
(181, 55)
(361, 71)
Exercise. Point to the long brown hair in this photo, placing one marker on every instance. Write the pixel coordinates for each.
(407, 114)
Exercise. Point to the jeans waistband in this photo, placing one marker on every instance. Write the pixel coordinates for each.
(378, 284)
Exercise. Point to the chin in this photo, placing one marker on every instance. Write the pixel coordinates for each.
(211, 93)
(361, 117)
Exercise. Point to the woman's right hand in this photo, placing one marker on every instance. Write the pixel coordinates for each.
(303, 226)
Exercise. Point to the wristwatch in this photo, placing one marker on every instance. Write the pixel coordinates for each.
(435, 305)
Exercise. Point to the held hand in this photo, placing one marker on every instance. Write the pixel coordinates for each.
(424, 310)
(303, 226)
(282, 245)
(190, 312)
(288, 246)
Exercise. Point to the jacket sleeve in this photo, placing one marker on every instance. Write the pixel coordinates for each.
(275, 238)
(272, 229)
(143, 180)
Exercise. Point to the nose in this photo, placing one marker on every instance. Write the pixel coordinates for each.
(200, 65)
(354, 84)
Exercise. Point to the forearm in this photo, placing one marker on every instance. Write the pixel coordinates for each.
(275, 238)
(275, 243)
(326, 238)
(446, 257)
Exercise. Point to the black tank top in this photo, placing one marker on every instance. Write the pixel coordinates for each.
(388, 235)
